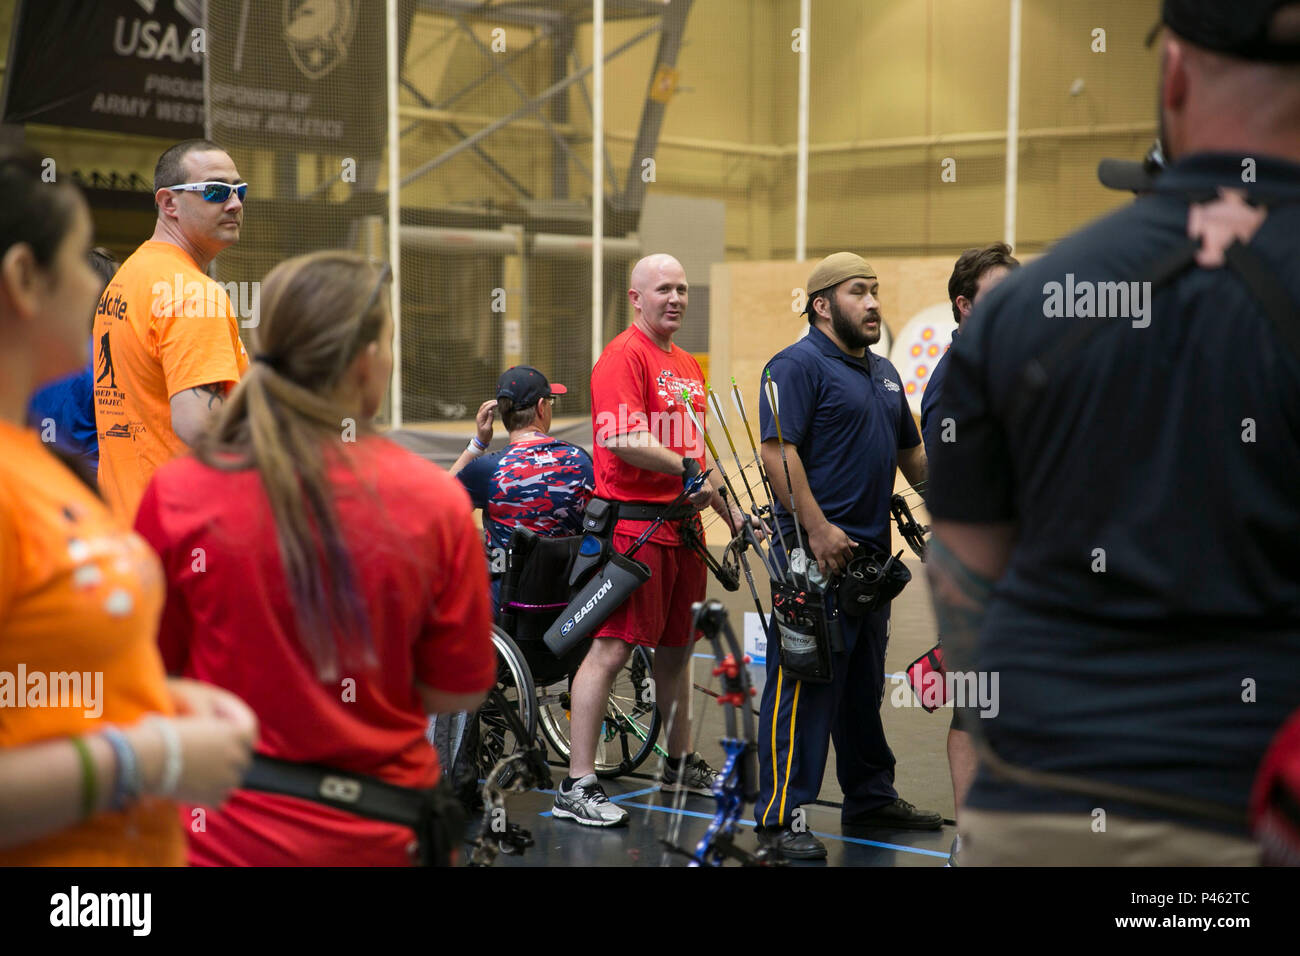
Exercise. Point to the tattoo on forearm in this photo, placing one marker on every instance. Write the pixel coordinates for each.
(960, 599)
(216, 394)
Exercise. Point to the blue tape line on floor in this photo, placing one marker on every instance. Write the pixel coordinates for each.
(829, 836)
(634, 793)
(943, 855)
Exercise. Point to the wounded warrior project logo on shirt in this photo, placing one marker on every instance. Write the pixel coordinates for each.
(110, 401)
(675, 429)
(670, 388)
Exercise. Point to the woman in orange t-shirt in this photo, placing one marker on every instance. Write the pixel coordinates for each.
(91, 746)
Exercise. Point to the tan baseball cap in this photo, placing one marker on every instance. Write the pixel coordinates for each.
(836, 268)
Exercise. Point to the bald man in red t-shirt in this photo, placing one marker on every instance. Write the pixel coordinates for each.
(645, 447)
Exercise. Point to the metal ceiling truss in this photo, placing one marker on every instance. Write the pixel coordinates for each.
(558, 21)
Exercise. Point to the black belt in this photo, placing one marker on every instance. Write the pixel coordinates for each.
(649, 511)
(433, 813)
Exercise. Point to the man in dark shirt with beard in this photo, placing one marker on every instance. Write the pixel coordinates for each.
(847, 429)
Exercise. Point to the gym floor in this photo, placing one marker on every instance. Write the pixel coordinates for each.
(918, 740)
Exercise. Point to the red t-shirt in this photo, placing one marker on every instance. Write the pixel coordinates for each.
(419, 567)
(637, 386)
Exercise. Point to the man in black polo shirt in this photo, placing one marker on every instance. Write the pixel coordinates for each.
(1116, 521)
(847, 427)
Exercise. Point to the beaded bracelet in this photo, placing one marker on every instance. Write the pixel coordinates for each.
(126, 784)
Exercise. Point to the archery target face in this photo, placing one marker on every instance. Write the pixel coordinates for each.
(919, 347)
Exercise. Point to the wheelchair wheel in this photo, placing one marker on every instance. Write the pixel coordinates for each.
(507, 720)
(631, 725)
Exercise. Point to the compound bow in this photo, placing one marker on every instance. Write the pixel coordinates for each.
(737, 782)
(913, 532)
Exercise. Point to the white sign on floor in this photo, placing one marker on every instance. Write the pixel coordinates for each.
(755, 638)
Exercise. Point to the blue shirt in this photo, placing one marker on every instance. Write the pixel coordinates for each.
(70, 403)
(848, 418)
(930, 399)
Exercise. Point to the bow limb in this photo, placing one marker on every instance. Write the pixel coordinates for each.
(912, 532)
(737, 782)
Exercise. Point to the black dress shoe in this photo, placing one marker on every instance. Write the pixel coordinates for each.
(899, 815)
(791, 845)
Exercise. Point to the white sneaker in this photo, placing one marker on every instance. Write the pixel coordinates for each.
(587, 804)
(697, 777)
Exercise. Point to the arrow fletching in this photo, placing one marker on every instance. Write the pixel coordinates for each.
(717, 406)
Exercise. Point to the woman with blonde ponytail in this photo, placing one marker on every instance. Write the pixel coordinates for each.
(331, 579)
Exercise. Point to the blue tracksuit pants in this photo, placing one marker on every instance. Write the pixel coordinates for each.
(799, 720)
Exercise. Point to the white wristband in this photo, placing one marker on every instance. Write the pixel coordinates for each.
(473, 448)
(172, 761)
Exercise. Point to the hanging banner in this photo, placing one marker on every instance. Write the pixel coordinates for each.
(129, 66)
(305, 73)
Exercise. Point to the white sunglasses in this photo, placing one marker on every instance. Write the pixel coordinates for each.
(213, 191)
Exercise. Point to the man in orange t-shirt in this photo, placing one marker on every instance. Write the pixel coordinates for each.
(166, 337)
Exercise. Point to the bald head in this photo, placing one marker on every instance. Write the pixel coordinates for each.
(658, 294)
(649, 269)
(1214, 102)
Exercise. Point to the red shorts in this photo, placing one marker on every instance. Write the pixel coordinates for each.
(658, 613)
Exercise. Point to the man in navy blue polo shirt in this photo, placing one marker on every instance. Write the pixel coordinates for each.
(846, 427)
(974, 275)
(1115, 523)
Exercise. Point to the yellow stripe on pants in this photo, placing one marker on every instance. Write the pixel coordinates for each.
(789, 754)
(789, 758)
(776, 712)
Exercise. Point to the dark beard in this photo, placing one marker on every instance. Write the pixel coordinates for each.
(851, 335)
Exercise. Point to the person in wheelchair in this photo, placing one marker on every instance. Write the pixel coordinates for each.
(536, 482)
(539, 486)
